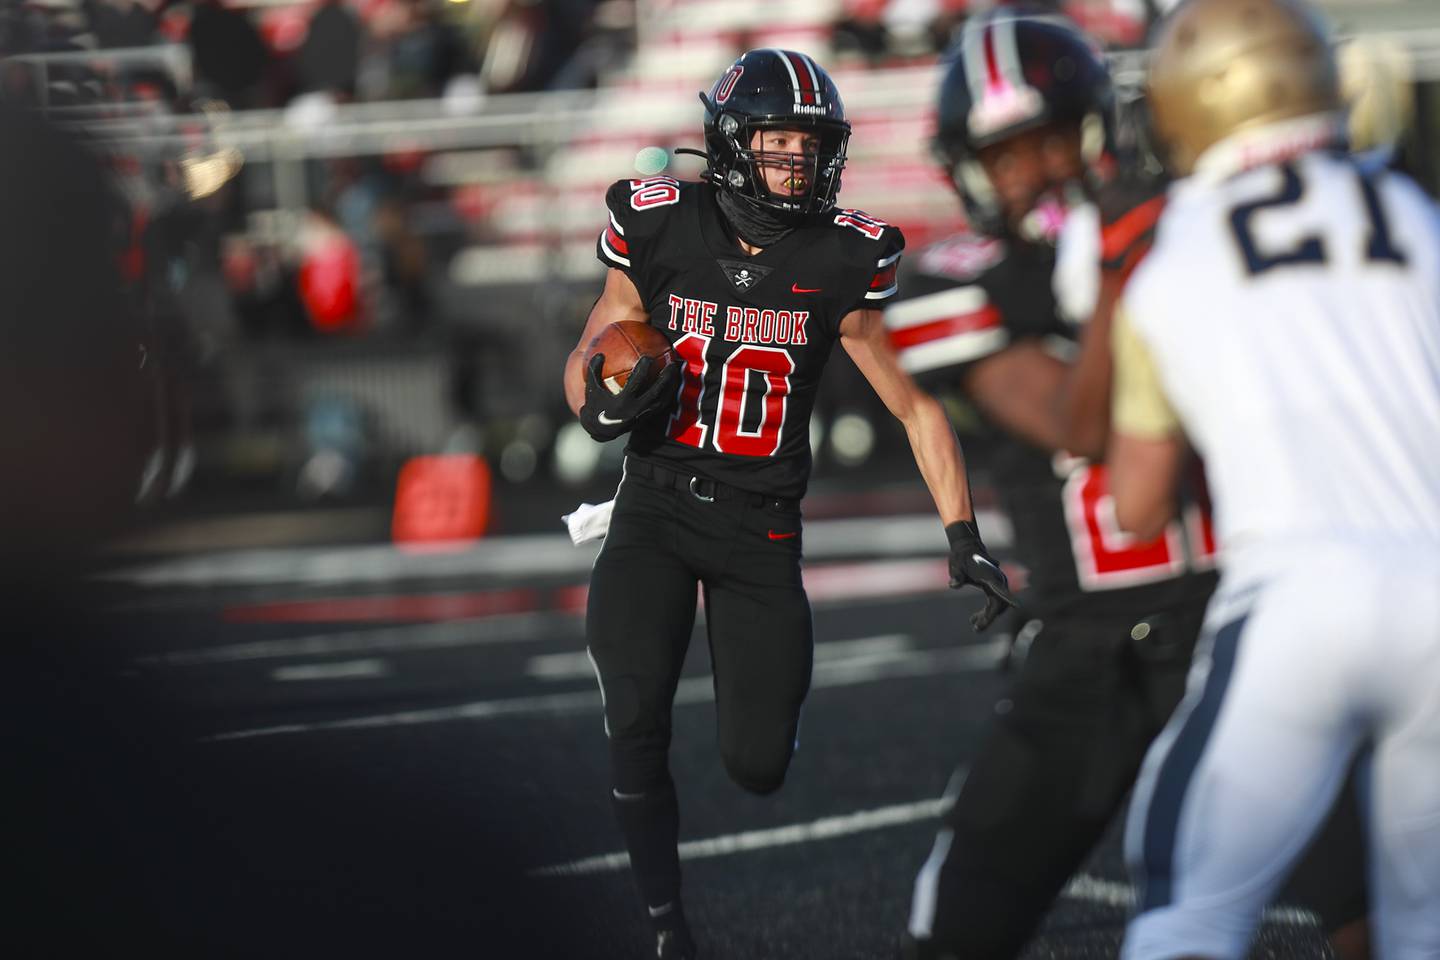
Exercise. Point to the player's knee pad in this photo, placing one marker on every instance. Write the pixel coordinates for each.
(639, 765)
(623, 713)
(760, 769)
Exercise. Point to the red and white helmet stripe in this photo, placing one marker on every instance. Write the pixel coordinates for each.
(804, 79)
(993, 72)
(993, 60)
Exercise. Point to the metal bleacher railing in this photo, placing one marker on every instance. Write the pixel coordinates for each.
(538, 162)
(524, 174)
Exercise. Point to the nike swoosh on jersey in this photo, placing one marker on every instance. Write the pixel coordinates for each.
(608, 421)
(781, 536)
(796, 288)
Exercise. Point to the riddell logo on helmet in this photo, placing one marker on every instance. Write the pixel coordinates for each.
(810, 108)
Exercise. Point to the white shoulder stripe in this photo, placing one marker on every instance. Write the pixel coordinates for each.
(935, 306)
(616, 224)
(882, 294)
(611, 254)
(961, 348)
(888, 260)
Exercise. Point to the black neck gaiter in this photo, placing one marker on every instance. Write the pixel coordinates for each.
(755, 225)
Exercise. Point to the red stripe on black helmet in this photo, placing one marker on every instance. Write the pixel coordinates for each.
(805, 77)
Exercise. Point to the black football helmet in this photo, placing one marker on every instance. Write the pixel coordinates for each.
(1012, 71)
(773, 89)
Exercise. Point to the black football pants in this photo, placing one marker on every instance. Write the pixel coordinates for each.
(1057, 761)
(743, 551)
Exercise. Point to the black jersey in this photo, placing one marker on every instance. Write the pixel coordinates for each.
(968, 298)
(753, 332)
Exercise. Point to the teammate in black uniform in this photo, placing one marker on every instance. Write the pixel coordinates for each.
(1025, 131)
(1025, 112)
(753, 274)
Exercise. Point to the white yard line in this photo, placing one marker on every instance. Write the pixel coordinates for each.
(571, 666)
(503, 628)
(1082, 886)
(868, 668)
(823, 829)
(367, 669)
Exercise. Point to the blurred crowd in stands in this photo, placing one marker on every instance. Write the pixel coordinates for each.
(887, 31)
(308, 56)
(262, 53)
(322, 294)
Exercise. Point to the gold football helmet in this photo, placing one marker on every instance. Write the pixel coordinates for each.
(1221, 67)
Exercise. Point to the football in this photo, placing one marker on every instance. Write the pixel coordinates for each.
(623, 343)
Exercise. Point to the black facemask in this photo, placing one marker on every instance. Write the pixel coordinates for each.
(755, 225)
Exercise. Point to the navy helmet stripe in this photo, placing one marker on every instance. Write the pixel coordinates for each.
(1167, 797)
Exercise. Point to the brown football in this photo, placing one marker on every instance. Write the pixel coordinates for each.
(624, 343)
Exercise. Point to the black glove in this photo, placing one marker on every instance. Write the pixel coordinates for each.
(1129, 206)
(607, 415)
(970, 562)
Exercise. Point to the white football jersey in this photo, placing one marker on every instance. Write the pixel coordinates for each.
(1292, 316)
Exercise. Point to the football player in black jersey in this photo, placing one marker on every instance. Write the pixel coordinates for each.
(1025, 115)
(1027, 135)
(754, 274)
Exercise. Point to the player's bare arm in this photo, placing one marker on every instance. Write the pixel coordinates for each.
(1144, 475)
(1147, 444)
(619, 301)
(937, 452)
(1020, 389)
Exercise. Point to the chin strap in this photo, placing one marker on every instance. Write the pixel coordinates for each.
(756, 226)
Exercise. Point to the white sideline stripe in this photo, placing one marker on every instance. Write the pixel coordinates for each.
(345, 670)
(905, 535)
(841, 673)
(823, 829)
(828, 586)
(504, 628)
(569, 666)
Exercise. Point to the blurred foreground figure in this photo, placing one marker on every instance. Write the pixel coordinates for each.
(1286, 322)
(1027, 134)
(71, 423)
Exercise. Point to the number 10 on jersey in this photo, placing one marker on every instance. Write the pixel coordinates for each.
(771, 368)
